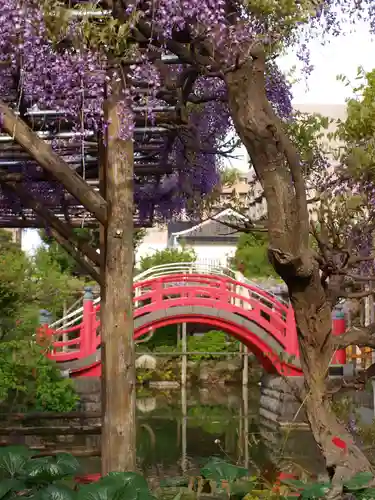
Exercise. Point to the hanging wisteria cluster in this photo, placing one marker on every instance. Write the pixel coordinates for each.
(38, 73)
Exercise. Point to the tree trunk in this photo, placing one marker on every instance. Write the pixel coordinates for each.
(118, 358)
(278, 169)
(314, 324)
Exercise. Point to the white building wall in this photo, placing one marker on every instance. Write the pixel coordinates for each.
(214, 254)
(156, 239)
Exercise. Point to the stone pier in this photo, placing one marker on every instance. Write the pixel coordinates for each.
(283, 427)
(277, 403)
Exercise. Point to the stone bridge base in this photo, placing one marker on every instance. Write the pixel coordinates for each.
(284, 430)
(277, 403)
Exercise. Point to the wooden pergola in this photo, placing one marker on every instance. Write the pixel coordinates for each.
(87, 180)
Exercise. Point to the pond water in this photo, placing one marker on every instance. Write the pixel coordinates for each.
(177, 431)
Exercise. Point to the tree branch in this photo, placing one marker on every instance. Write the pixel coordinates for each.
(360, 336)
(64, 229)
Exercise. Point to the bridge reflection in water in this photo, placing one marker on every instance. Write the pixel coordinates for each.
(179, 430)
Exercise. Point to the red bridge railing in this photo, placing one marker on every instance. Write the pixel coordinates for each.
(220, 292)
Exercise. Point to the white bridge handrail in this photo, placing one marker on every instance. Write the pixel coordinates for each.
(166, 270)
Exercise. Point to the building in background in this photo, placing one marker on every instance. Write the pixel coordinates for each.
(16, 235)
(213, 241)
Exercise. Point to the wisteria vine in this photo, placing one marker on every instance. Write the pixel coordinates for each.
(34, 70)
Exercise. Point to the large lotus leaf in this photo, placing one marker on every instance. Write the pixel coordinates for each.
(126, 479)
(366, 494)
(307, 490)
(315, 490)
(10, 486)
(95, 491)
(48, 469)
(117, 486)
(13, 460)
(129, 492)
(239, 489)
(218, 470)
(68, 464)
(55, 492)
(359, 481)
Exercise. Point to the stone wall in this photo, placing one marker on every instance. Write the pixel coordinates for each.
(277, 403)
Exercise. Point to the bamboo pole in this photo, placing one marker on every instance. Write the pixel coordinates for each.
(184, 428)
(184, 356)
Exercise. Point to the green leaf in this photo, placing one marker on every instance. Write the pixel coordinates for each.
(367, 494)
(68, 464)
(49, 469)
(95, 491)
(315, 490)
(307, 490)
(294, 484)
(117, 486)
(174, 482)
(129, 492)
(126, 479)
(241, 488)
(13, 460)
(359, 481)
(218, 470)
(55, 492)
(9, 485)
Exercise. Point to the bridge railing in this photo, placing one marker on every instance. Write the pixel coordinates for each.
(176, 268)
(161, 293)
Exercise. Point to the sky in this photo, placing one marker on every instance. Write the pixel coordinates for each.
(341, 55)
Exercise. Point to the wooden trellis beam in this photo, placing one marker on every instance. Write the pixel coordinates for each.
(44, 155)
(73, 252)
(64, 229)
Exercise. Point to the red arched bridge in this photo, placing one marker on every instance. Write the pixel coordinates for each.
(185, 293)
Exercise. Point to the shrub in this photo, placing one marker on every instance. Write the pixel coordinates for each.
(212, 341)
(29, 380)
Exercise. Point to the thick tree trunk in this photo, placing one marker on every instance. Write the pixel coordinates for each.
(314, 324)
(276, 163)
(118, 359)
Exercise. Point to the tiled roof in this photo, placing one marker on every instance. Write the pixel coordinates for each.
(213, 229)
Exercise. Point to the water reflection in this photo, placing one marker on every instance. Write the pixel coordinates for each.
(179, 430)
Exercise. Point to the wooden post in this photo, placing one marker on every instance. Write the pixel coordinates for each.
(184, 356)
(118, 356)
(245, 400)
(65, 336)
(245, 366)
(184, 427)
(87, 345)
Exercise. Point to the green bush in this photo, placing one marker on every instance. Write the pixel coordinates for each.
(212, 341)
(167, 256)
(29, 380)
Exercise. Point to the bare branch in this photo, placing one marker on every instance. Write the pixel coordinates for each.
(360, 336)
(248, 227)
(356, 295)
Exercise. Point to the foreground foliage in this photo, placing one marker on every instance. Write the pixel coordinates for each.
(22, 473)
(29, 380)
(28, 285)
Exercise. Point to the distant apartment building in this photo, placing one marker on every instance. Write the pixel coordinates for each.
(212, 244)
(240, 189)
